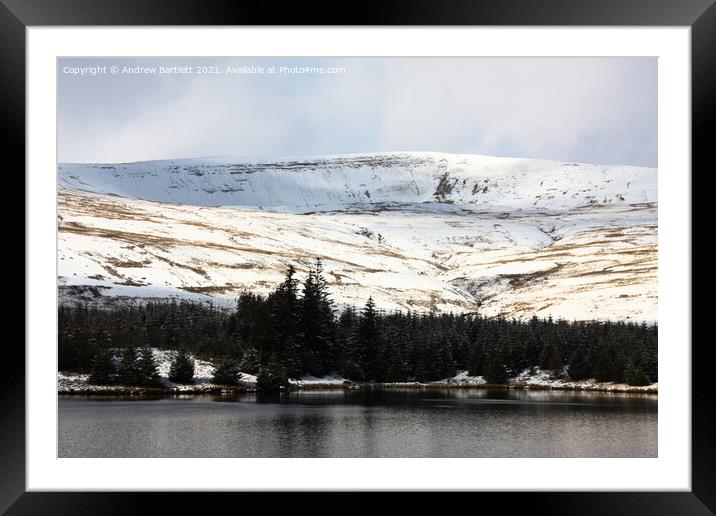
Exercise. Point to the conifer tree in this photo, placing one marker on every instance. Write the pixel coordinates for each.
(343, 357)
(421, 359)
(634, 375)
(580, 367)
(269, 378)
(250, 361)
(550, 360)
(102, 370)
(292, 366)
(226, 373)
(443, 365)
(148, 369)
(316, 323)
(648, 355)
(182, 368)
(495, 370)
(284, 314)
(458, 341)
(254, 327)
(67, 359)
(129, 372)
(477, 356)
(366, 341)
(393, 367)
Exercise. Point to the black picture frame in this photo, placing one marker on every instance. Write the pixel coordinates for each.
(700, 15)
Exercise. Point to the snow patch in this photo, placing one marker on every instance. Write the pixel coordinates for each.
(536, 377)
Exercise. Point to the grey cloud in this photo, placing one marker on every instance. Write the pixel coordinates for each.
(596, 110)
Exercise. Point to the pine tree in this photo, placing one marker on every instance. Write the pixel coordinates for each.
(352, 371)
(459, 343)
(226, 373)
(477, 357)
(85, 348)
(269, 378)
(550, 360)
(316, 323)
(650, 358)
(129, 373)
(634, 375)
(393, 366)
(420, 358)
(284, 314)
(250, 361)
(292, 366)
(148, 370)
(580, 367)
(366, 341)
(67, 356)
(609, 362)
(495, 370)
(102, 370)
(254, 327)
(442, 359)
(182, 368)
(342, 355)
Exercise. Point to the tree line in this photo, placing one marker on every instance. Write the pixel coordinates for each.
(131, 366)
(296, 330)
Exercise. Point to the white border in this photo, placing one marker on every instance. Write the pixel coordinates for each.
(670, 471)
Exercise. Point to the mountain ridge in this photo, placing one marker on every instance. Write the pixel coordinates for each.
(328, 183)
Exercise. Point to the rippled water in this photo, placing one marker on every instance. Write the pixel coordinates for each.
(365, 423)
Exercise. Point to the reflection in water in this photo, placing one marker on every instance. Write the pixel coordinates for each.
(363, 423)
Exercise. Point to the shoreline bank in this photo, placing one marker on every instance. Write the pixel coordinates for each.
(120, 390)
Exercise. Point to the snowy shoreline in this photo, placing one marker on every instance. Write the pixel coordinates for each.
(529, 379)
(76, 384)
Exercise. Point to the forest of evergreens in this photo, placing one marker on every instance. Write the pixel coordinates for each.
(296, 330)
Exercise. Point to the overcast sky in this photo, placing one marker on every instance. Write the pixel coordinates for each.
(592, 110)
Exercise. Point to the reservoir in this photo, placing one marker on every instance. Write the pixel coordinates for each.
(464, 422)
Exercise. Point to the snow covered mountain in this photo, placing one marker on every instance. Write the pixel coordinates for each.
(336, 182)
(419, 231)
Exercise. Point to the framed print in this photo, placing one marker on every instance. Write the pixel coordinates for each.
(434, 250)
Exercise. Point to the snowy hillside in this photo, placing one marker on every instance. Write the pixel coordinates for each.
(418, 231)
(337, 182)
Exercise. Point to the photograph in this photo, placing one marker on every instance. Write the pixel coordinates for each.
(357, 257)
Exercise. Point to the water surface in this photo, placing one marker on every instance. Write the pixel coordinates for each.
(364, 423)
